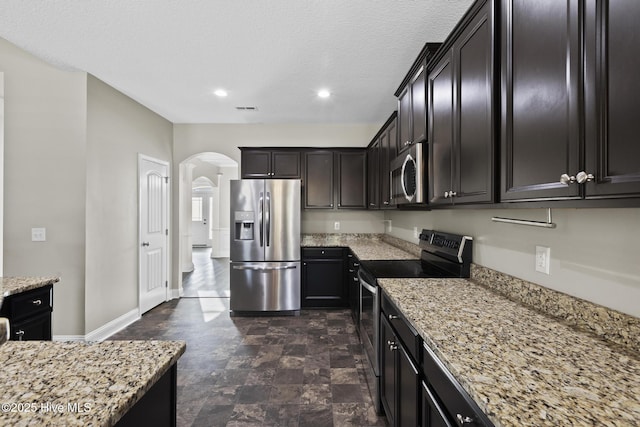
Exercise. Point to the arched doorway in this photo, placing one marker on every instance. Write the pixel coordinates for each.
(204, 197)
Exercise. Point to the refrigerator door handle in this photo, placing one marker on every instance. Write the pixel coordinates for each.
(261, 207)
(268, 218)
(280, 267)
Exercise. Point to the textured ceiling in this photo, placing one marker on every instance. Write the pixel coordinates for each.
(170, 55)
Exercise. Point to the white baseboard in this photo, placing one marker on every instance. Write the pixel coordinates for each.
(176, 293)
(105, 331)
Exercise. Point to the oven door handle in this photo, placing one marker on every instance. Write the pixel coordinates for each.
(372, 289)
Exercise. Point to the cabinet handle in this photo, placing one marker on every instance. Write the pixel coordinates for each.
(583, 177)
(355, 264)
(566, 179)
(351, 271)
(462, 420)
(36, 302)
(20, 334)
(392, 317)
(408, 143)
(386, 203)
(355, 279)
(372, 204)
(452, 194)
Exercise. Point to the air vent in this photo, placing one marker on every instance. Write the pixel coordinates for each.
(247, 108)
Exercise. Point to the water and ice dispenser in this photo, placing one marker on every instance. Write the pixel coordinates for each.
(244, 225)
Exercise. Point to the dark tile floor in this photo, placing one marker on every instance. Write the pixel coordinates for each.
(261, 371)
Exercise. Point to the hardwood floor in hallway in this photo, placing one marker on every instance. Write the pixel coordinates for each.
(259, 371)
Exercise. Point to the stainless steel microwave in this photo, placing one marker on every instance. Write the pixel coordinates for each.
(407, 176)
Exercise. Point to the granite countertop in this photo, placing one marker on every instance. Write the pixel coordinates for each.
(522, 367)
(43, 380)
(364, 246)
(15, 285)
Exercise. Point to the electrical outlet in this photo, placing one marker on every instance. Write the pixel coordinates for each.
(336, 225)
(543, 259)
(415, 232)
(38, 234)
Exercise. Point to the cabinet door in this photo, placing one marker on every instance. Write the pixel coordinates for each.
(388, 345)
(373, 175)
(408, 390)
(612, 98)
(419, 106)
(405, 132)
(285, 164)
(255, 164)
(432, 414)
(473, 166)
(541, 75)
(352, 179)
(318, 180)
(388, 142)
(35, 328)
(441, 137)
(323, 283)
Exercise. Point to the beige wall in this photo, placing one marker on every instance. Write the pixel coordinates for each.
(594, 252)
(1, 168)
(118, 128)
(45, 174)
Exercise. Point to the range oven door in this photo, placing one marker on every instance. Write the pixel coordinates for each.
(407, 177)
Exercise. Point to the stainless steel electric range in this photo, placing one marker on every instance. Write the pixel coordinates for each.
(443, 255)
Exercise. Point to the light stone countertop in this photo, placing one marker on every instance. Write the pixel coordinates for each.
(522, 367)
(103, 379)
(15, 285)
(364, 246)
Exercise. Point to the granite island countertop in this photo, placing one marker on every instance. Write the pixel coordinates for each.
(522, 367)
(41, 381)
(15, 285)
(364, 246)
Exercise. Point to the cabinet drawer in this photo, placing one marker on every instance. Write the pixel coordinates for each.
(26, 304)
(406, 333)
(455, 400)
(322, 252)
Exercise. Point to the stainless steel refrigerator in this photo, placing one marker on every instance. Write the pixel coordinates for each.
(265, 246)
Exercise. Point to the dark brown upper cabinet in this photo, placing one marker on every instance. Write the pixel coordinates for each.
(380, 152)
(569, 93)
(461, 108)
(412, 101)
(319, 175)
(373, 174)
(335, 179)
(612, 97)
(541, 75)
(270, 163)
(352, 179)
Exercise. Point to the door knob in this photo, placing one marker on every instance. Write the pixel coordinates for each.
(145, 243)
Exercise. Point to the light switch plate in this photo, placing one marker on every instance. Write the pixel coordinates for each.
(38, 234)
(543, 259)
(336, 225)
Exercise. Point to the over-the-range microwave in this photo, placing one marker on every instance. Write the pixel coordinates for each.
(408, 176)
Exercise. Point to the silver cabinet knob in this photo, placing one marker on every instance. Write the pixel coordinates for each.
(36, 302)
(19, 334)
(452, 194)
(392, 317)
(566, 179)
(386, 203)
(446, 194)
(583, 177)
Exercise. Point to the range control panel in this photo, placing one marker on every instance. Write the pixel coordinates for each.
(437, 242)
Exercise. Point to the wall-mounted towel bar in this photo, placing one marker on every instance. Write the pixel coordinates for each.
(548, 224)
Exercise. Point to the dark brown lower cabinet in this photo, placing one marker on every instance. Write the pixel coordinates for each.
(432, 414)
(29, 314)
(158, 405)
(400, 388)
(323, 278)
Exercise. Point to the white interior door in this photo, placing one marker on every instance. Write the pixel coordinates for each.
(200, 217)
(154, 232)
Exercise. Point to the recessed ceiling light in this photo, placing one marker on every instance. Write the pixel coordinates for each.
(220, 92)
(324, 93)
